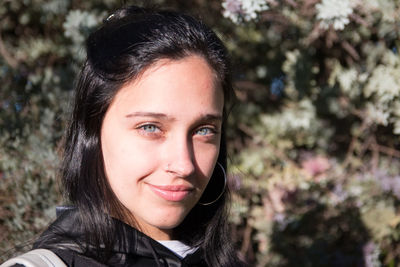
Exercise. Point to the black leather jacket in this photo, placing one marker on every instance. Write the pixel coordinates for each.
(137, 249)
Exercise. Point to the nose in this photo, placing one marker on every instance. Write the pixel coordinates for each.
(180, 157)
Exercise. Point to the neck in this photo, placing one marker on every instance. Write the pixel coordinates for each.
(153, 232)
(160, 234)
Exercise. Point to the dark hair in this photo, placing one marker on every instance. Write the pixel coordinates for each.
(129, 42)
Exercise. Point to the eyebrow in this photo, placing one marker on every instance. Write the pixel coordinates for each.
(213, 117)
(146, 114)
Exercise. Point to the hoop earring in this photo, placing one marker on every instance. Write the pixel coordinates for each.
(223, 188)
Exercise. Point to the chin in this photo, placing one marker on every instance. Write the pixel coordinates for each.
(169, 222)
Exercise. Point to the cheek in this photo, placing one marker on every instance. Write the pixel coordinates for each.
(126, 161)
(206, 158)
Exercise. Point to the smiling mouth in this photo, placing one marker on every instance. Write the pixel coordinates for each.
(173, 193)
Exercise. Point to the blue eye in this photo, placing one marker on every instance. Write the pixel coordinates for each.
(204, 131)
(149, 128)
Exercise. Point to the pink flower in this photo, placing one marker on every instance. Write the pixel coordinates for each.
(316, 165)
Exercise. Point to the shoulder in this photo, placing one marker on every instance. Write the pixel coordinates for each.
(73, 258)
(35, 258)
(51, 258)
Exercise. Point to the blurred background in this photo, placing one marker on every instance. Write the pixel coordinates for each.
(313, 138)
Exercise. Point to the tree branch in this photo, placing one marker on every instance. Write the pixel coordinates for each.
(12, 62)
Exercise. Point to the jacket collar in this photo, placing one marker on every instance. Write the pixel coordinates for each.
(66, 232)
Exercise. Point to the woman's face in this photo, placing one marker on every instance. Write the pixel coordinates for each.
(160, 140)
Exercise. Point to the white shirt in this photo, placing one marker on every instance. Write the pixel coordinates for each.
(179, 248)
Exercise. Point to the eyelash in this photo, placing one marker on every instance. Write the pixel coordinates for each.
(157, 131)
(211, 130)
(149, 125)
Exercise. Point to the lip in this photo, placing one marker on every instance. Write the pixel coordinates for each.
(173, 193)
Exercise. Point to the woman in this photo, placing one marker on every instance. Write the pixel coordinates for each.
(145, 151)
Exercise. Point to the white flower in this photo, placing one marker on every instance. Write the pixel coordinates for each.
(378, 115)
(384, 84)
(75, 22)
(371, 253)
(334, 13)
(251, 7)
(55, 7)
(297, 118)
(347, 79)
(238, 10)
(396, 129)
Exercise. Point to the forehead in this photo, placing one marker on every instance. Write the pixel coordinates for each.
(189, 81)
(164, 62)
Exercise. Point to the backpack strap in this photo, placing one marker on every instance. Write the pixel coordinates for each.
(36, 258)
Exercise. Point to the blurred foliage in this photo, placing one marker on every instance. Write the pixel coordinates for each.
(314, 137)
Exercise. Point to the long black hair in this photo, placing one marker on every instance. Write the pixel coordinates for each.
(130, 41)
